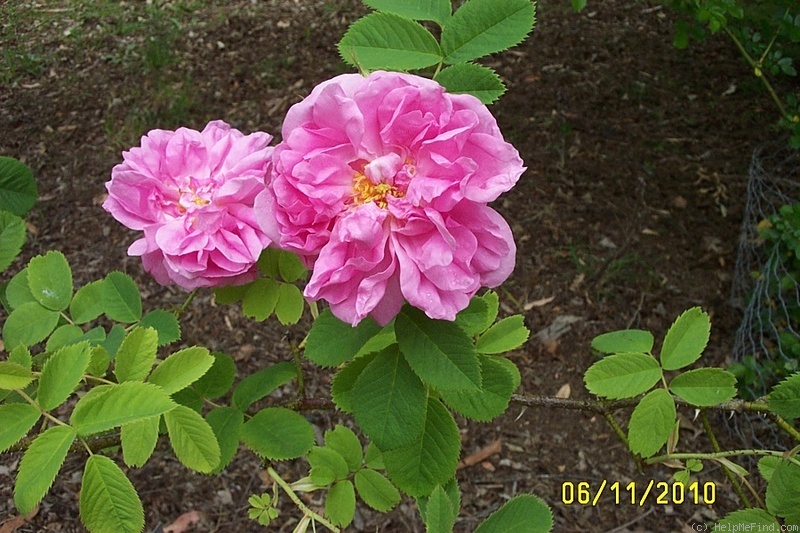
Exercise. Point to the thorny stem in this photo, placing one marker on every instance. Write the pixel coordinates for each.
(786, 426)
(292, 496)
(603, 406)
(737, 486)
(718, 455)
(756, 66)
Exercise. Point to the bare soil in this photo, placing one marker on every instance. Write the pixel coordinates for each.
(629, 213)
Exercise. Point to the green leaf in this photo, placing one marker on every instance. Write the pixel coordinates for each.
(290, 267)
(18, 191)
(754, 518)
(14, 376)
(278, 433)
(136, 355)
(431, 459)
(524, 512)
(474, 319)
(289, 307)
(17, 290)
(330, 459)
(62, 336)
(340, 504)
(767, 466)
(383, 339)
(227, 423)
(440, 517)
(332, 342)
(784, 400)
(438, 351)
(508, 334)
(110, 406)
(435, 10)
(704, 386)
(21, 355)
(652, 421)
(373, 457)
(40, 465)
(624, 341)
(50, 280)
(87, 304)
(376, 491)
(219, 377)
(109, 503)
(453, 495)
(258, 385)
(12, 237)
(578, 5)
(181, 369)
(686, 339)
(390, 42)
(469, 78)
(345, 380)
(29, 324)
(165, 324)
(230, 294)
(500, 379)
(622, 375)
(783, 492)
(260, 299)
(139, 439)
(114, 339)
(120, 298)
(483, 27)
(188, 397)
(192, 439)
(61, 374)
(98, 362)
(388, 400)
(345, 443)
(16, 419)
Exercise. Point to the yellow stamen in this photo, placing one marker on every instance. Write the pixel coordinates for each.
(364, 191)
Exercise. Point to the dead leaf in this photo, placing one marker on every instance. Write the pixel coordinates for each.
(577, 282)
(564, 392)
(11, 525)
(538, 303)
(482, 454)
(184, 522)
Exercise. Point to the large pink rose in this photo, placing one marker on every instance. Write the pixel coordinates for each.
(192, 193)
(381, 184)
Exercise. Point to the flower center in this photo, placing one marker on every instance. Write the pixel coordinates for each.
(385, 176)
(364, 191)
(192, 195)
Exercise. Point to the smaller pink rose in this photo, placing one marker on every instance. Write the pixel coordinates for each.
(192, 195)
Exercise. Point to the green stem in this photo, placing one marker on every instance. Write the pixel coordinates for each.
(39, 407)
(292, 496)
(737, 486)
(786, 426)
(758, 73)
(182, 308)
(717, 455)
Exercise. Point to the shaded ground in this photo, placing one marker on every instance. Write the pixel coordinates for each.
(628, 214)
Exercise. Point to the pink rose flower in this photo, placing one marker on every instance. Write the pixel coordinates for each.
(381, 184)
(192, 193)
